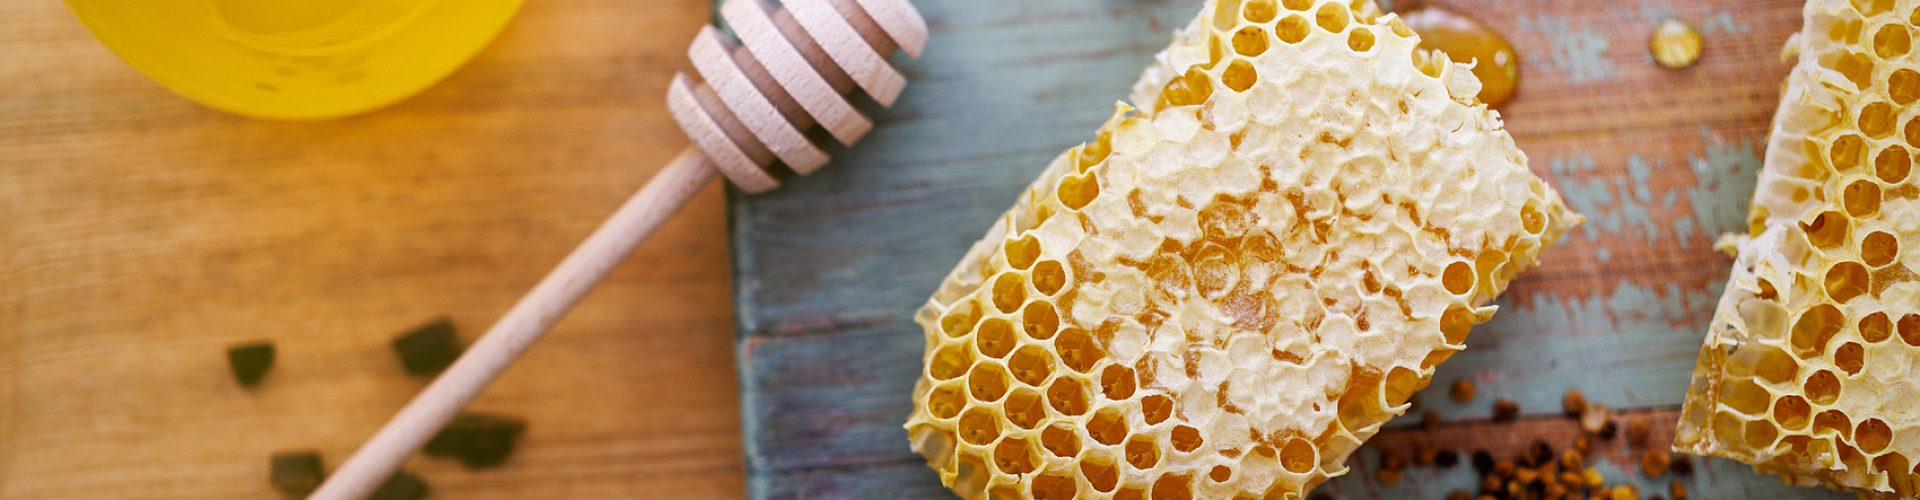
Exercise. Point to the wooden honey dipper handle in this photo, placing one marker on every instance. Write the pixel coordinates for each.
(793, 69)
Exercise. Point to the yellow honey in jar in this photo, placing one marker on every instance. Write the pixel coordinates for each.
(295, 59)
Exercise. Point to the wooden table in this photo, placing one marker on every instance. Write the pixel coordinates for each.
(141, 234)
(831, 267)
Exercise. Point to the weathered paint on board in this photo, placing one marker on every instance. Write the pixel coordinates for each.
(829, 270)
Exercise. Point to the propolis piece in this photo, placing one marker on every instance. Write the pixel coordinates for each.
(429, 348)
(250, 361)
(296, 473)
(402, 485)
(1807, 371)
(1236, 284)
(477, 440)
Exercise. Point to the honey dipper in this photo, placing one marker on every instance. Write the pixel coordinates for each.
(751, 106)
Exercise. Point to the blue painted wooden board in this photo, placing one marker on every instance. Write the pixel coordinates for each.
(830, 268)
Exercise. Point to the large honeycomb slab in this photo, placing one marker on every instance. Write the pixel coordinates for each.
(1808, 368)
(1237, 283)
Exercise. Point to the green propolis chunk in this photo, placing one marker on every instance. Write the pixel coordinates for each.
(250, 361)
(402, 485)
(478, 440)
(297, 473)
(427, 350)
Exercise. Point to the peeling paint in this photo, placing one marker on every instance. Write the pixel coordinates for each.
(1723, 24)
(1579, 54)
(1723, 174)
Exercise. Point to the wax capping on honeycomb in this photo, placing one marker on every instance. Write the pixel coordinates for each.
(1809, 365)
(1238, 282)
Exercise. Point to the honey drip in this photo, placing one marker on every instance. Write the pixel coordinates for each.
(1464, 40)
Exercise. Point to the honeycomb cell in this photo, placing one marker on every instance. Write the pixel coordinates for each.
(1875, 327)
(1770, 364)
(1054, 487)
(1186, 438)
(1022, 251)
(949, 362)
(1862, 198)
(1876, 120)
(1458, 278)
(1173, 486)
(1846, 280)
(1009, 292)
(1059, 440)
(1031, 365)
(1872, 436)
(1142, 453)
(1039, 320)
(1213, 274)
(1792, 412)
(1220, 473)
(1025, 409)
(1832, 422)
(1102, 474)
(1156, 408)
(1298, 456)
(1455, 323)
(1817, 326)
(1891, 41)
(1092, 153)
(1226, 15)
(1332, 17)
(1076, 191)
(1823, 387)
(946, 401)
(1847, 152)
(959, 321)
(1872, 7)
(1760, 434)
(1531, 220)
(1827, 230)
(1225, 221)
(1250, 41)
(1107, 426)
(1850, 357)
(1067, 396)
(979, 426)
(986, 383)
(1879, 248)
(1240, 75)
(1258, 11)
(1013, 456)
(1049, 277)
(1399, 385)
(1903, 86)
(995, 338)
(1117, 382)
(1858, 68)
(1360, 40)
(1913, 131)
(1191, 88)
(1077, 349)
(1909, 328)
(1892, 164)
(1744, 396)
(1292, 29)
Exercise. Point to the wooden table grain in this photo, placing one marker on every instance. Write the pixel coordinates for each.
(830, 269)
(141, 234)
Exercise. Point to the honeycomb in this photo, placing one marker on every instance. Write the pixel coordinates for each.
(1235, 284)
(1808, 365)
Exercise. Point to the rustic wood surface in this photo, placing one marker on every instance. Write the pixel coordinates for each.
(829, 269)
(141, 234)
